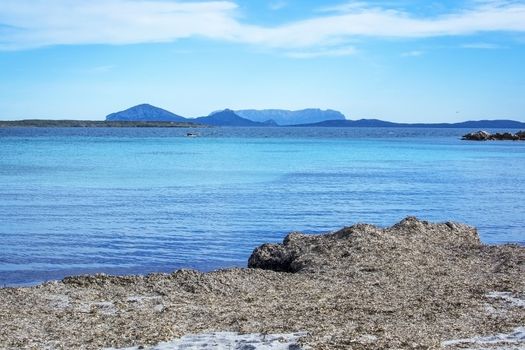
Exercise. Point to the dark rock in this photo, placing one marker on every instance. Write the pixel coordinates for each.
(477, 136)
(485, 136)
(504, 136)
(275, 257)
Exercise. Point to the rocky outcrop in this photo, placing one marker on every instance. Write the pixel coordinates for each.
(485, 136)
(312, 253)
(415, 285)
(477, 136)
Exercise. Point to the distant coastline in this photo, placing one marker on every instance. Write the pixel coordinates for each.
(362, 123)
(146, 115)
(49, 123)
(376, 123)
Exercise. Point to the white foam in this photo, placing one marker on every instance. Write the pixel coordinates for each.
(508, 297)
(502, 341)
(58, 301)
(104, 307)
(229, 340)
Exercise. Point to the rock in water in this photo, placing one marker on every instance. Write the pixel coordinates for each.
(477, 136)
(485, 136)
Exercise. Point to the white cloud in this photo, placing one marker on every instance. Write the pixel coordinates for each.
(375, 22)
(36, 23)
(351, 6)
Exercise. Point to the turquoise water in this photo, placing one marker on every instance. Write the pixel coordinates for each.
(125, 201)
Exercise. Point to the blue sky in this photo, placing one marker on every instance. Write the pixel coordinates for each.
(411, 61)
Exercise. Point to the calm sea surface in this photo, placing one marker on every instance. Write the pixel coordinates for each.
(124, 201)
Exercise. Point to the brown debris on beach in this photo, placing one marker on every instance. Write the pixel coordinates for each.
(415, 285)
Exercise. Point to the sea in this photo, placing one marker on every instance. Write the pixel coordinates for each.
(141, 200)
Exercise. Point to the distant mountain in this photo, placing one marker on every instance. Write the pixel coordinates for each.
(285, 117)
(354, 123)
(146, 113)
(376, 123)
(228, 117)
(270, 122)
(306, 117)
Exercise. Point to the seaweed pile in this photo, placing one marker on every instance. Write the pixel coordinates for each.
(415, 285)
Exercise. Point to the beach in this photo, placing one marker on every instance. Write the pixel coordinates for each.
(416, 285)
(262, 175)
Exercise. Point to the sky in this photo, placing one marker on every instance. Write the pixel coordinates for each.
(404, 61)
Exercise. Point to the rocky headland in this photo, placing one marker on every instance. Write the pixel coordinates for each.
(486, 136)
(415, 285)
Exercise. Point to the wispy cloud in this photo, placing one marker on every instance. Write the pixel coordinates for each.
(101, 69)
(327, 52)
(277, 5)
(347, 7)
(385, 23)
(35, 23)
(482, 46)
(415, 53)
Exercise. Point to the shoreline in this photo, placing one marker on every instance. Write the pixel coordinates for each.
(167, 273)
(415, 284)
(49, 123)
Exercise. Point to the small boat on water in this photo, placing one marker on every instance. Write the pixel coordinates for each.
(190, 134)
